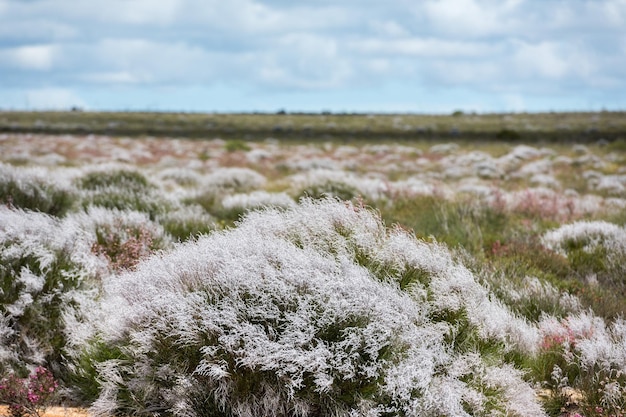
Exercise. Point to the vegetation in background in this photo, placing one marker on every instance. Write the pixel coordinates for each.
(526, 127)
(474, 232)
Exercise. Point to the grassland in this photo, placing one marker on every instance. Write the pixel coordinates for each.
(244, 269)
(522, 127)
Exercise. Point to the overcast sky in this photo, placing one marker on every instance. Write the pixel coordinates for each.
(428, 56)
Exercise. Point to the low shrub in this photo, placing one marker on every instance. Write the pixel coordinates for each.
(314, 310)
(32, 190)
(121, 189)
(595, 251)
(47, 269)
(187, 222)
(28, 397)
(123, 238)
(234, 145)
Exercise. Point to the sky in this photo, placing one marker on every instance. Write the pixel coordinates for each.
(423, 56)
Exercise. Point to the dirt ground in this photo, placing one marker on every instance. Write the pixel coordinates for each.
(53, 412)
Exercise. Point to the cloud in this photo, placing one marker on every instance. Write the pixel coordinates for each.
(519, 48)
(30, 57)
(473, 17)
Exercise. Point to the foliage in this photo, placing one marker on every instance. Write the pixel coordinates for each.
(236, 145)
(31, 190)
(502, 273)
(28, 397)
(46, 269)
(121, 189)
(298, 312)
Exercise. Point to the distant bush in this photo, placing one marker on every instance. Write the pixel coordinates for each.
(222, 182)
(316, 310)
(235, 205)
(322, 183)
(508, 135)
(236, 145)
(235, 179)
(336, 189)
(121, 189)
(186, 222)
(33, 190)
(595, 250)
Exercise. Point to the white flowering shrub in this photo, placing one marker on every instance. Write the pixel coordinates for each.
(46, 269)
(122, 238)
(587, 356)
(34, 189)
(256, 199)
(121, 188)
(187, 221)
(595, 250)
(314, 310)
(234, 179)
(319, 183)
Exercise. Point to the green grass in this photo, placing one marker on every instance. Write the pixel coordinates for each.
(528, 127)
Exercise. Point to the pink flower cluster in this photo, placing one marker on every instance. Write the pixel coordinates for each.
(562, 335)
(29, 396)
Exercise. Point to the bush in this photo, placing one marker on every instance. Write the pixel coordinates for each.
(583, 355)
(123, 238)
(121, 189)
(46, 270)
(316, 310)
(28, 397)
(187, 222)
(236, 145)
(28, 189)
(595, 250)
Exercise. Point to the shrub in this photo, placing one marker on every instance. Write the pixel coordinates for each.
(123, 238)
(235, 205)
(121, 189)
(508, 135)
(234, 180)
(28, 397)
(187, 222)
(236, 145)
(585, 355)
(595, 250)
(315, 310)
(33, 190)
(322, 183)
(46, 270)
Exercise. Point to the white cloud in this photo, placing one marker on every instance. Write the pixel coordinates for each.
(472, 17)
(389, 28)
(112, 77)
(544, 60)
(615, 12)
(146, 11)
(304, 61)
(515, 47)
(429, 47)
(30, 57)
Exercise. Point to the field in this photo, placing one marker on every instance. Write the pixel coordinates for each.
(316, 265)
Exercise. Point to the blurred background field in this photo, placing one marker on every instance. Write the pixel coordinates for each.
(508, 127)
